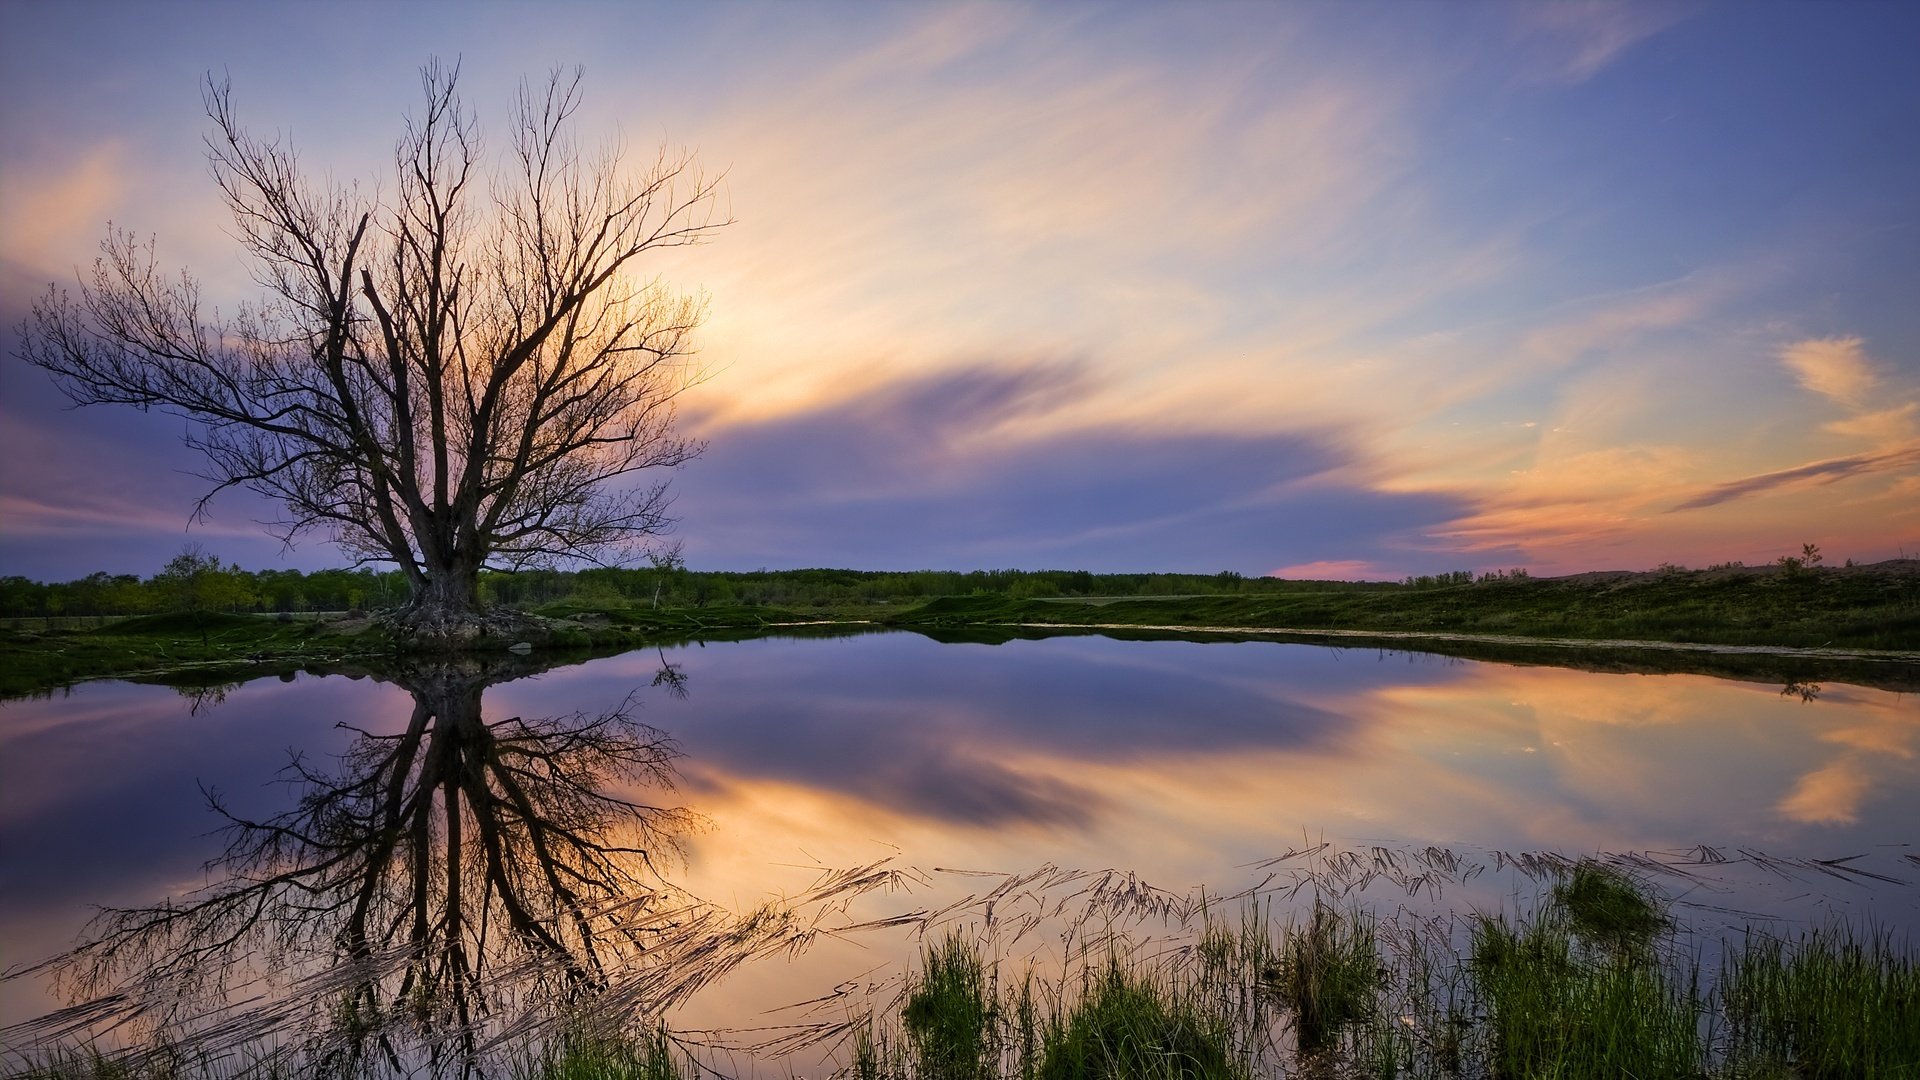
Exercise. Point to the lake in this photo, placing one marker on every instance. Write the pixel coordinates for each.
(1191, 769)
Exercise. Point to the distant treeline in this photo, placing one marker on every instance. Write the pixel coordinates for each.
(195, 581)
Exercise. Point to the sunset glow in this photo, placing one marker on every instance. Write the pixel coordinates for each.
(1342, 291)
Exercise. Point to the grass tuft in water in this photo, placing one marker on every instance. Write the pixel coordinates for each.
(1827, 1005)
(1127, 1026)
(1552, 1011)
(583, 1055)
(1329, 973)
(1607, 908)
(950, 1015)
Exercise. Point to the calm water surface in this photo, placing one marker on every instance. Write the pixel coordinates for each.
(1186, 764)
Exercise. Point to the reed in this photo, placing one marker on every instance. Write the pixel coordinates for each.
(1130, 1025)
(951, 1014)
(1825, 1005)
(646, 1055)
(1329, 973)
(1553, 1010)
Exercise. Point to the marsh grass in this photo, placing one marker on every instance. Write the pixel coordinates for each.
(1553, 1009)
(951, 1014)
(1825, 1005)
(580, 1054)
(1590, 978)
(1608, 909)
(1328, 972)
(1130, 1023)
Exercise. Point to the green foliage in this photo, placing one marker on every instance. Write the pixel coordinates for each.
(1438, 581)
(1866, 607)
(194, 581)
(1870, 607)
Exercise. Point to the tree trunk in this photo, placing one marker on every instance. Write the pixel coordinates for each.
(446, 604)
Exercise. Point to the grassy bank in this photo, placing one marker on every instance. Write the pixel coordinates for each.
(1868, 607)
(1871, 607)
(209, 648)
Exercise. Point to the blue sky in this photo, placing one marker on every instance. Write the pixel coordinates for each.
(1342, 290)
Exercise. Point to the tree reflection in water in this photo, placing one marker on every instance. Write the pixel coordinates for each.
(445, 890)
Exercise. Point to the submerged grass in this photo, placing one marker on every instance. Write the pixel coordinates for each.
(1608, 909)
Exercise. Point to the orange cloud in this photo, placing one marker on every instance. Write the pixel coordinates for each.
(1828, 796)
(53, 215)
(1334, 570)
(1836, 368)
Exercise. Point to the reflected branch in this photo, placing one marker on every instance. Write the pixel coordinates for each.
(433, 876)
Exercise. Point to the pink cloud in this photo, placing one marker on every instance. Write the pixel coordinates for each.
(1335, 570)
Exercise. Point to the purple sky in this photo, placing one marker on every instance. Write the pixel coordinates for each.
(1337, 290)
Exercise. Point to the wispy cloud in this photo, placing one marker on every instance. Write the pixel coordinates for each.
(1836, 368)
(1578, 39)
(1839, 370)
(1819, 472)
(55, 212)
(1830, 795)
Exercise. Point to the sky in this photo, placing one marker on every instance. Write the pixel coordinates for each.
(1325, 290)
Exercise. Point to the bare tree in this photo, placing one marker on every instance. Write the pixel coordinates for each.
(467, 373)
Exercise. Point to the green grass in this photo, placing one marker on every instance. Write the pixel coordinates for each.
(1827, 1005)
(213, 648)
(950, 1015)
(1607, 908)
(1128, 1026)
(580, 1055)
(1591, 985)
(1876, 607)
(1553, 1012)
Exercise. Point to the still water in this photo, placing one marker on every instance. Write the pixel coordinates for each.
(1183, 765)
